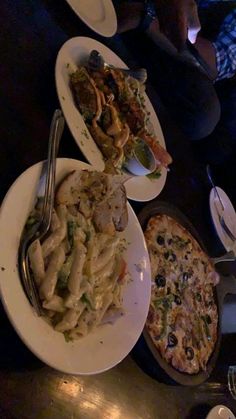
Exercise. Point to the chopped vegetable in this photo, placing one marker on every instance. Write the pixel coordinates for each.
(71, 228)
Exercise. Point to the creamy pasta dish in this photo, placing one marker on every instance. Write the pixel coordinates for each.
(79, 267)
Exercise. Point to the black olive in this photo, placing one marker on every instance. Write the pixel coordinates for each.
(166, 255)
(198, 297)
(166, 303)
(168, 290)
(160, 280)
(189, 353)
(178, 300)
(208, 319)
(172, 340)
(169, 241)
(185, 276)
(172, 257)
(160, 240)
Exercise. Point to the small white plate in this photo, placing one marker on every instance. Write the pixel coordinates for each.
(229, 217)
(98, 15)
(220, 412)
(75, 52)
(109, 344)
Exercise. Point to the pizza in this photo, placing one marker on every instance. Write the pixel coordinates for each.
(183, 317)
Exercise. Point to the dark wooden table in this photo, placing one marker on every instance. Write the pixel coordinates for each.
(32, 32)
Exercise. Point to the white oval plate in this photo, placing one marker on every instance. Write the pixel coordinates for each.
(220, 412)
(98, 15)
(109, 344)
(229, 217)
(75, 52)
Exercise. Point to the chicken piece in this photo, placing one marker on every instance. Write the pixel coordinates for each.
(112, 212)
(134, 114)
(129, 105)
(105, 192)
(84, 93)
(115, 126)
(105, 144)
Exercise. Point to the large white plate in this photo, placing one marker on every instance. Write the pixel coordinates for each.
(74, 52)
(109, 344)
(99, 15)
(229, 217)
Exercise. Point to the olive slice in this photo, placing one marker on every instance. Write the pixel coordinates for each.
(172, 340)
(160, 240)
(160, 281)
(177, 300)
(189, 353)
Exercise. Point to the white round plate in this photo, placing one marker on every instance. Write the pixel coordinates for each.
(75, 52)
(109, 344)
(229, 217)
(98, 15)
(220, 412)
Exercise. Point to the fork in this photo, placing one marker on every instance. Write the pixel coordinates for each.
(224, 225)
(96, 62)
(220, 216)
(39, 230)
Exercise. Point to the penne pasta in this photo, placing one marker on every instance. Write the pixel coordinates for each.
(55, 239)
(55, 223)
(55, 304)
(75, 278)
(77, 268)
(104, 256)
(48, 284)
(70, 319)
(37, 261)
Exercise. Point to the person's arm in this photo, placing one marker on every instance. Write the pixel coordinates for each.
(207, 51)
(174, 19)
(129, 16)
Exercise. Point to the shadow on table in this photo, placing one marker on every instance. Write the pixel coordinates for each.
(14, 355)
(145, 360)
(199, 412)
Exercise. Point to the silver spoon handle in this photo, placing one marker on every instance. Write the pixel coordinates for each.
(56, 129)
(214, 186)
(226, 229)
(227, 257)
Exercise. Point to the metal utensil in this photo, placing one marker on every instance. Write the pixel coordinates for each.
(224, 225)
(227, 257)
(227, 285)
(214, 186)
(96, 62)
(220, 215)
(41, 228)
(226, 228)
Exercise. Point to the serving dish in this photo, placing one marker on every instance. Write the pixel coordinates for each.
(227, 285)
(98, 15)
(107, 346)
(73, 53)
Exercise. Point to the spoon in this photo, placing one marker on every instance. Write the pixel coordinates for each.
(96, 62)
